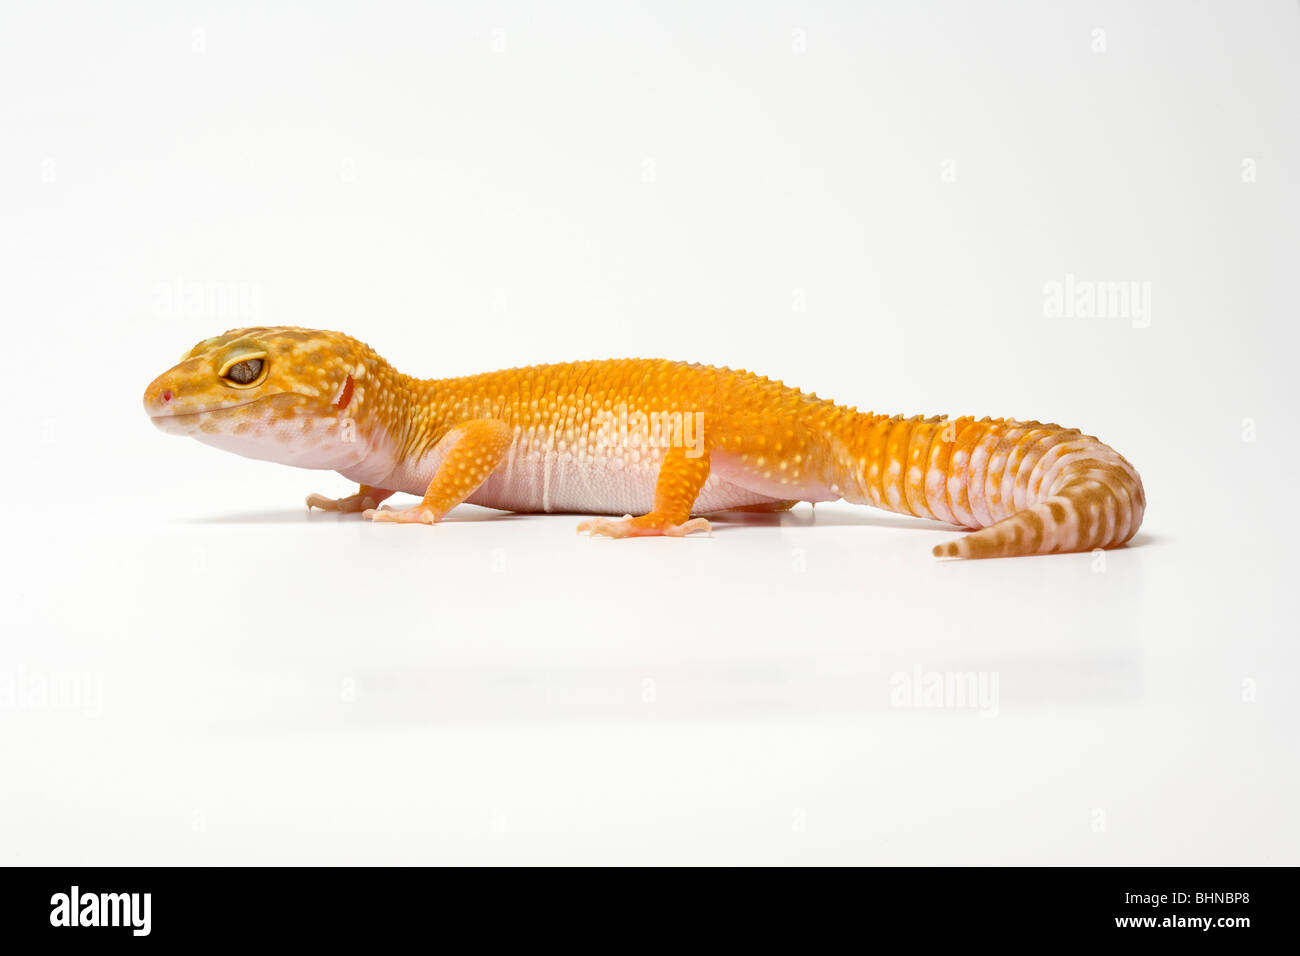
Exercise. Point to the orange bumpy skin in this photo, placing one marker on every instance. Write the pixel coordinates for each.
(658, 439)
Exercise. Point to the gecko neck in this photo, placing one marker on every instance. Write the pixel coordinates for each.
(395, 420)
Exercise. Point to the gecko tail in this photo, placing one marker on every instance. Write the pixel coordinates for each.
(1025, 487)
(1092, 503)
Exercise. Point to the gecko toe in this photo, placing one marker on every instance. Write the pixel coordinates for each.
(420, 514)
(642, 527)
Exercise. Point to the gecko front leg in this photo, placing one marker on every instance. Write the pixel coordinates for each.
(473, 450)
(366, 497)
(679, 483)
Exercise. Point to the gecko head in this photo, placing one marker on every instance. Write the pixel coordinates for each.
(282, 394)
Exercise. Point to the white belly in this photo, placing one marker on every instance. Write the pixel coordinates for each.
(613, 481)
(607, 484)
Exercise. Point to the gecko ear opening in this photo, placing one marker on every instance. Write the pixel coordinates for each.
(344, 395)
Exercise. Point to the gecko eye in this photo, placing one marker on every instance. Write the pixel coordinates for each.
(244, 373)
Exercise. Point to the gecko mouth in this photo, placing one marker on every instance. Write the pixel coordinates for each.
(208, 420)
(179, 417)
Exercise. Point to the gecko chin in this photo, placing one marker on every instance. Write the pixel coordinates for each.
(279, 428)
(288, 446)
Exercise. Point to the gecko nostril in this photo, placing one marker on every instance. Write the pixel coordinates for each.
(167, 395)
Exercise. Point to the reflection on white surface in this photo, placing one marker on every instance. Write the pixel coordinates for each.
(798, 689)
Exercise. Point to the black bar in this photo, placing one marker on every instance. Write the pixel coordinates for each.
(213, 906)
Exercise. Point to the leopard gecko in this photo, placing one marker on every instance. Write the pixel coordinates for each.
(660, 442)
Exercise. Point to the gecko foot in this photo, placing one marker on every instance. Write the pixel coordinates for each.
(346, 505)
(629, 527)
(420, 514)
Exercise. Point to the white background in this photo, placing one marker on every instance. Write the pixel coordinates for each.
(866, 200)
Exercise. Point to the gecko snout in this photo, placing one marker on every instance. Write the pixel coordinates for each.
(157, 397)
(162, 398)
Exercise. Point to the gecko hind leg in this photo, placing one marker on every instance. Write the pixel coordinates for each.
(680, 479)
(646, 525)
(782, 458)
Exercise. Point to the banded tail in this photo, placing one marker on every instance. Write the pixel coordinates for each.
(1028, 487)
